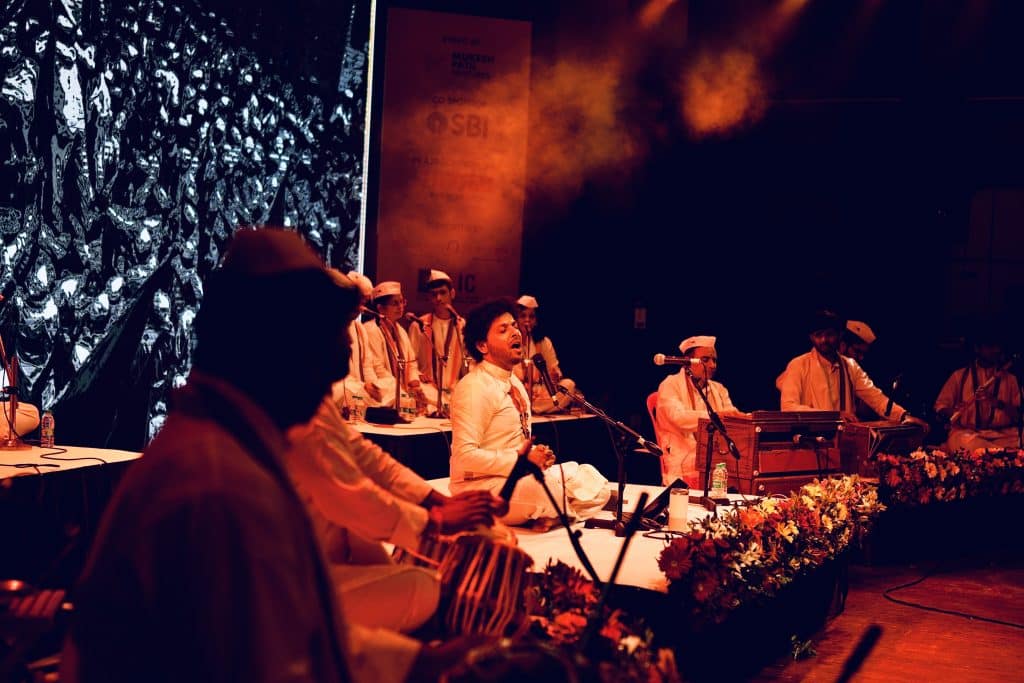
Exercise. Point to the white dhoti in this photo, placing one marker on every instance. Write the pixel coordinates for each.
(971, 439)
(585, 490)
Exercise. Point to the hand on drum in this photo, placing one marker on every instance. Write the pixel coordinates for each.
(469, 510)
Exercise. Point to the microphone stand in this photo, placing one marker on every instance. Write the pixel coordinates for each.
(714, 422)
(13, 440)
(574, 536)
(626, 431)
(594, 618)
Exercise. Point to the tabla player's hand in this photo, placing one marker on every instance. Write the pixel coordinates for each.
(499, 506)
(466, 510)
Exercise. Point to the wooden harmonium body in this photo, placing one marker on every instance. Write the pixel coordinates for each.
(861, 440)
(780, 450)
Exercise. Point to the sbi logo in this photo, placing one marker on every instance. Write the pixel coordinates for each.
(468, 125)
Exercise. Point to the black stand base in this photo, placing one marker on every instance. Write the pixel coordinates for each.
(618, 527)
(13, 443)
(709, 503)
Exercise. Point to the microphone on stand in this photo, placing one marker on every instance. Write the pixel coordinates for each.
(542, 368)
(366, 311)
(895, 385)
(451, 309)
(662, 359)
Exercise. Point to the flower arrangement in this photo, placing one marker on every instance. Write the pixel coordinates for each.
(924, 477)
(748, 554)
(621, 650)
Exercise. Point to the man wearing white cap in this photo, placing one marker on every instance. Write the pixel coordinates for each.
(437, 338)
(392, 353)
(856, 339)
(361, 382)
(536, 342)
(824, 379)
(680, 407)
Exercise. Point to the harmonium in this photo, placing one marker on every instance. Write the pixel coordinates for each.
(862, 440)
(780, 450)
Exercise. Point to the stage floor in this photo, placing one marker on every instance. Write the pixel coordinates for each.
(640, 566)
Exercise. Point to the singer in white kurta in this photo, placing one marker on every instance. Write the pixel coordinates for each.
(680, 407)
(491, 428)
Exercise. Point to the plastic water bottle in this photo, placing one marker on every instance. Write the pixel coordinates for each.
(719, 480)
(356, 408)
(46, 430)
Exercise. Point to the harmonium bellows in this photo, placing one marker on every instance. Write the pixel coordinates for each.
(780, 450)
(862, 440)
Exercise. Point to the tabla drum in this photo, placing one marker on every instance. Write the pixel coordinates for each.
(483, 583)
(430, 552)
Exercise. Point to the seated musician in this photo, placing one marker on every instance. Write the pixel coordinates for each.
(536, 342)
(491, 427)
(981, 402)
(358, 496)
(437, 338)
(680, 407)
(361, 379)
(824, 379)
(391, 352)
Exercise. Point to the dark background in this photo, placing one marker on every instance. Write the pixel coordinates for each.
(854, 191)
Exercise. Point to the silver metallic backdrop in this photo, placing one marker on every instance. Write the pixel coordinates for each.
(134, 137)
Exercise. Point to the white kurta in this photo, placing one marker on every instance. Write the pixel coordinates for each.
(487, 432)
(540, 400)
(358, 496)
(679, 408)
(810, 382)
(360, 370)
(381, 362)
(443, 363)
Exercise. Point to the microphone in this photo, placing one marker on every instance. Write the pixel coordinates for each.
(662, 359)
(451, 309)
(522, 467)
(542, 367)
(367, 311)
(413, 318)
(892, 394)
